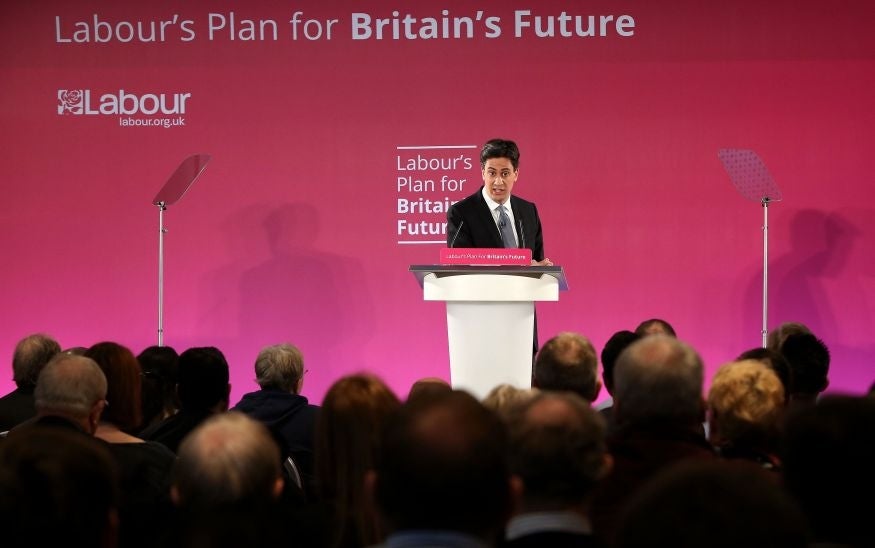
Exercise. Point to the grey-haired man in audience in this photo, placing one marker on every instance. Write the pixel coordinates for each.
(32, 353)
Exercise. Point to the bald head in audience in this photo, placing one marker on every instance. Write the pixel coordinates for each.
(658, 379)
(73, 388)
(568, 362)
(230, 459)
(655, 326)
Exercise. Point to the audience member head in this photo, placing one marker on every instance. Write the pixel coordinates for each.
(827, 454)
(500, 148)
(618, 342)
(444, 467)
(203, 380)
(505, 400)
(746, 400)
(72, 387)
(808, 357)
(655, 326)
(658, 381)
(723, 504)
(568, 362)
(558, 450)
(57, 488)
(75, 350)
(123, 380)
(228, 460)
(32, 353)
(428, 386)
(776, 362)
(776, 337)
(280, 367)
(159, 367)
(354, 414)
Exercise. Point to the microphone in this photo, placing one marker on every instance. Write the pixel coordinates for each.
(522, 233)
(458, 230)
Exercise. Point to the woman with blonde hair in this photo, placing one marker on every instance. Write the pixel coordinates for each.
(746, 402)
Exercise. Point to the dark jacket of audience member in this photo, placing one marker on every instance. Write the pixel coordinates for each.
(828, 450)
(279, 371)
(718, 504)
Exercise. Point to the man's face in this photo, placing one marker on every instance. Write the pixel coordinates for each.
(499, 177)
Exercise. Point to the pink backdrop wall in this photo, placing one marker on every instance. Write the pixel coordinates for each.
(291, 234)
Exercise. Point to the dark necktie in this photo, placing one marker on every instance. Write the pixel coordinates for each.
(505, 228)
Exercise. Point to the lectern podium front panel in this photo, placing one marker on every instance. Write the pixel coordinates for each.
(490, 320)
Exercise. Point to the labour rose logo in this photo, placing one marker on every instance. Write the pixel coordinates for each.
(69, 101)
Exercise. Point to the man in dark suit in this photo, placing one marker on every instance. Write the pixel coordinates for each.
(492, 217)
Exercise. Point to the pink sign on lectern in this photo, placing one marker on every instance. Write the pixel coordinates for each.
(487, 256)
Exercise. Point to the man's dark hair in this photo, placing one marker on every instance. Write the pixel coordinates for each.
(161, 362)
(809, 358)
(612, 350)
(558, 448)
(32, 353)
(444, 466)
(159, 365)
(568, 362)
(500, 148)
(203, 378)
(775, 361)
(645, 327)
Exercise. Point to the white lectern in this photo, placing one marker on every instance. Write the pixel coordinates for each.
(490, 319)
